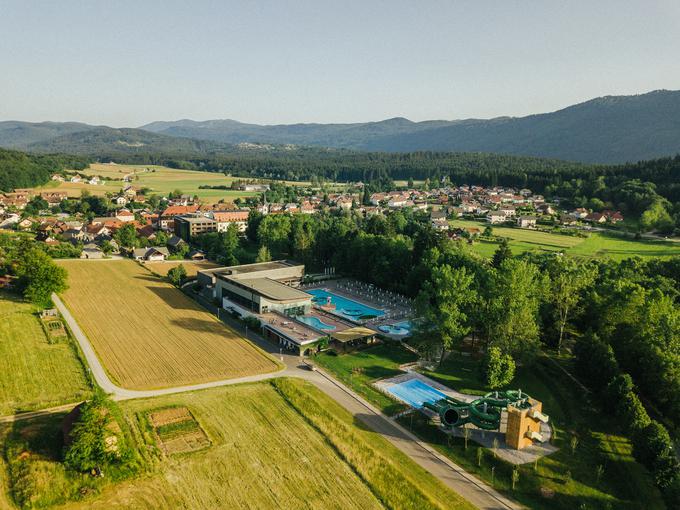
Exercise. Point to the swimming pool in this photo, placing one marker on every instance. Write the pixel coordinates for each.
(399, 329)
(316, 323)
(348, 308)
(415, 393)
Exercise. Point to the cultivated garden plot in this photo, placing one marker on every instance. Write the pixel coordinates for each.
(177, 430)
(150, 335)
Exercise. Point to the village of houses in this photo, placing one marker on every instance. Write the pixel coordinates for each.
(184, 217)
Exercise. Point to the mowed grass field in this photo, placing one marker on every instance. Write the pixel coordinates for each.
(191, 267)
(33, 373)
(148, 334)
(282, 444)
(597, 244)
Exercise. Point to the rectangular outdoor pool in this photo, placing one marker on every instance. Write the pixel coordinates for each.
(415, 393)
(344, 307)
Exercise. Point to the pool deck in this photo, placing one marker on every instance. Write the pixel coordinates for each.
(483, 437)
(394, 312)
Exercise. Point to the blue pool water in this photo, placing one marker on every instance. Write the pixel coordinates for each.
(400, 328)
(415, 393)
(316, 323)
(343, 306)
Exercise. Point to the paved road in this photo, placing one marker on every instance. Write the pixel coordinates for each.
(461, 482)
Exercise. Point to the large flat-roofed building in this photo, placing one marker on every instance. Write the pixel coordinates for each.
(258, 288)
(187, 227)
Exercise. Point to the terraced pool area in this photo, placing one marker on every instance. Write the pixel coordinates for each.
(398, 329)
(344, 307)
(316, 323)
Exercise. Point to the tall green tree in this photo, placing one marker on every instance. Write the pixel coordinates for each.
(39, 276)
(516, 292)
(498, 368)
(501, 254)
(443, 304)
(568, 278)
(126, 236)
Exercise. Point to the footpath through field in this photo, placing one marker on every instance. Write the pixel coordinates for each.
(453, 476)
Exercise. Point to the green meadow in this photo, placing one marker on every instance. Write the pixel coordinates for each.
(596, 244)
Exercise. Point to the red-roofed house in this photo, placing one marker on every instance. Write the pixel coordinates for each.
(165, 218)
(125, 215)
(226, 218)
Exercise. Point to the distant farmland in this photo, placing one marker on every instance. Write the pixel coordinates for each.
(149, 334)
(596, 244)
(159, 179)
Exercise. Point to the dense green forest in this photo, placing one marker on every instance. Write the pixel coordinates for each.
(21, 170)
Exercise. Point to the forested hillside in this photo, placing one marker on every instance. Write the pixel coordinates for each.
(19, 135)
(610, 129)
(97, 141)
(21, 170)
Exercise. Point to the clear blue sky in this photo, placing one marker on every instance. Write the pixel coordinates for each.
(125, 63)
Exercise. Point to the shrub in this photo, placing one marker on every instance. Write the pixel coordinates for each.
(177, 275)
(252, 322)
(95, 439)
(633, 413)
(653, 447)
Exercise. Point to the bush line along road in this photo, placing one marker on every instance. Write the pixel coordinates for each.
(473, 490)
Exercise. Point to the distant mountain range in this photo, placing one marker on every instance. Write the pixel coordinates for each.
(611, 129)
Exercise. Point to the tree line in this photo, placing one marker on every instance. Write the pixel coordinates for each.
(22, 170)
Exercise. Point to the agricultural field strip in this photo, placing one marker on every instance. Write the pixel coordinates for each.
(35, 373)
(150, 335)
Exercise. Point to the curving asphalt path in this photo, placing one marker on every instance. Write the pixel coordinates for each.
(475, 491)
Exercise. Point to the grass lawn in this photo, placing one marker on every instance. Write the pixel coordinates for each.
(33, 373)
(360, 369)
(461, 373)
(597, 244)
(148, 334)
(273, 445)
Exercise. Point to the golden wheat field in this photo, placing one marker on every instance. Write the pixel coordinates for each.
(150, 335)
(191, 267)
